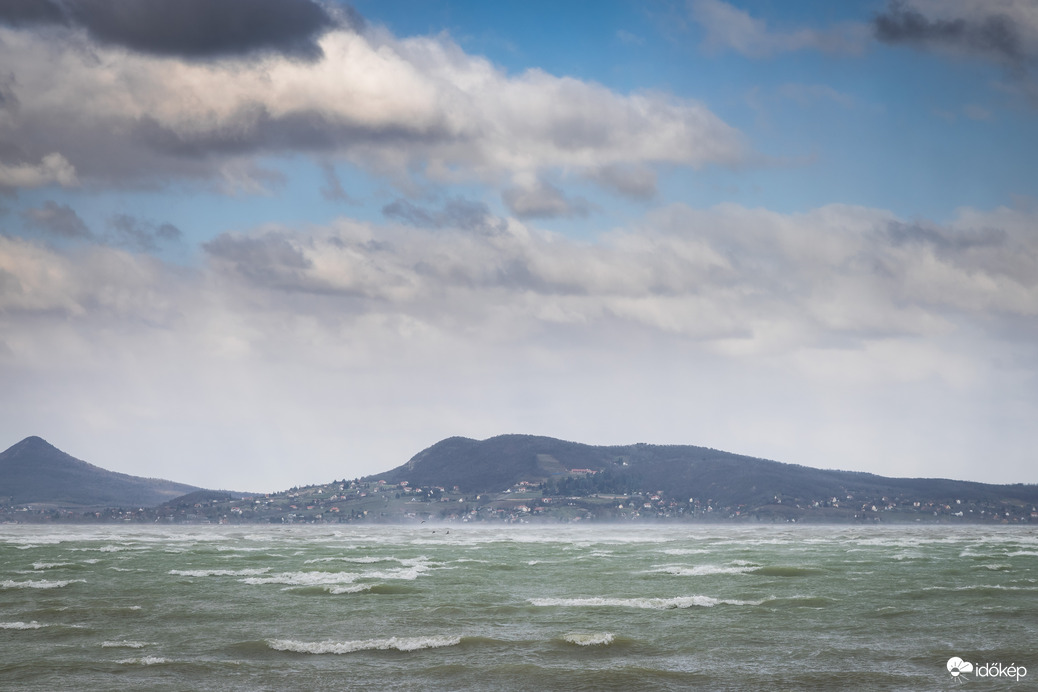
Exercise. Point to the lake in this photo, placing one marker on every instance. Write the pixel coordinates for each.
(461, 607)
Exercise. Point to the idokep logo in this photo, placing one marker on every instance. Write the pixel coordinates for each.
(957, 667)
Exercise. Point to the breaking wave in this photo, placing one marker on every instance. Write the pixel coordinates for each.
(144, 661)
(220, 572)
(700, 570)
(650, 603)
(38, 583)
(346, 647)
(51, 565)
(592, 639)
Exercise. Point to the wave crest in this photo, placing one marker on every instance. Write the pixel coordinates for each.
(649, 603)
(590, 639)
(38, 583)
(346, 647)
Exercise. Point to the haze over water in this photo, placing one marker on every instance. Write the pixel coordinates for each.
(499, 608)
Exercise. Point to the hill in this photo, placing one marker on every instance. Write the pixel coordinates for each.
(677, 471)
(37, 473)
(517, 478)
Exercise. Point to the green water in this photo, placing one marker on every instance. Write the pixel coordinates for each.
(526, 608)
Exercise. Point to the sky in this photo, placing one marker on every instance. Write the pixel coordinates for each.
(254, 244)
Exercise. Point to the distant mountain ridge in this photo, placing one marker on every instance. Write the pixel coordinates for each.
(503, 477)
(35, 472)
(680, 471)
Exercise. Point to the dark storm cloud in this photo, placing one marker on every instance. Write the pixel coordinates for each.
(994, 36)
(19, 13)
(140, 235)
(59, 220)
(458, 213)
(198, 29)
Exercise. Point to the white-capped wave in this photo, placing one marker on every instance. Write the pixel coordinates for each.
(345, 647)
(20, 625)
(408, 573)
(50, 565)
(364, 560)
(124, 644)
(685, 551)
(144, 661)
(700, 570)
(590, 639)
(38, 583)
(220, 572)
(304, 578)
(348, 588)
(650, 603)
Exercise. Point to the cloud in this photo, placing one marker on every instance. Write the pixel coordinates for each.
(409, 109)
(314, 343)
(270, 260)
(456, 213)
(333, 191)
(197, 29)
(747, 279)
(59, 220)
(123, 230)
(807, 94)
(728, 27)
(1005, 31)
(541, 200)
(629, 39)
(53, 168)
(633, 181)
(27, 13)
(140, 235)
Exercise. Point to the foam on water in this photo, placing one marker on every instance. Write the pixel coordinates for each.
(304, 578)
(700, 570)
(545, 607)
(592, 639)
(685, 551)
(38, 583)
(408, 573)
(649, 603)
(365, 560)
(220, 572)
(346, 647)
(351, 588)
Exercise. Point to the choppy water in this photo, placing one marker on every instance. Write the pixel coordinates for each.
(594, 608)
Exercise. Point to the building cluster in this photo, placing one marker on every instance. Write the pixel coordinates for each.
(358, 500)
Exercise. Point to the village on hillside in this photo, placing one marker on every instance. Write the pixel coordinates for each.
(377, 501)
